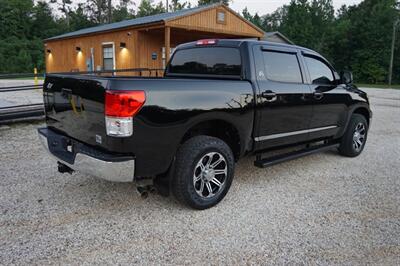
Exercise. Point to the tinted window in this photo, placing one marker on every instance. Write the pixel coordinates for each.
(207, 61)
(282, 67)
(320, 73)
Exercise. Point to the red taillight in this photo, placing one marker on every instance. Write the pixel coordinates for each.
(124, 103)
(206, 42)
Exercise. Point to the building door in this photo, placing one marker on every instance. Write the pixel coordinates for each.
(108, 56)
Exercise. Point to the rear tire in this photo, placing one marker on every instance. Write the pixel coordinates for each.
(203, 172)
(355, 137)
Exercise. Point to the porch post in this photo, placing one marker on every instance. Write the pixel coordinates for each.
(167, 43)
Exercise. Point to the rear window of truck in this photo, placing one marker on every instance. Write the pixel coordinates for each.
(213, 61)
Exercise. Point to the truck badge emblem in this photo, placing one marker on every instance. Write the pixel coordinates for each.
(98, 139)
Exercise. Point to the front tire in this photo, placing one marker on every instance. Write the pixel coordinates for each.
(203, 172)
(355, 137)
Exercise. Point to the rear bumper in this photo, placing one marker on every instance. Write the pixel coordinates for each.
(87, 160)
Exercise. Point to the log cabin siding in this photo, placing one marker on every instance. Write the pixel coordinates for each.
(65, 58)
(207, 21)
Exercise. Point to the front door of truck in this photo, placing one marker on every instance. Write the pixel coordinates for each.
(330, 99)
(284, 106)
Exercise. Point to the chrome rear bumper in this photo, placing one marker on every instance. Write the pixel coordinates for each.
(115, 170)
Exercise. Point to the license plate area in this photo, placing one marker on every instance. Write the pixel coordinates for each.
(69, 148)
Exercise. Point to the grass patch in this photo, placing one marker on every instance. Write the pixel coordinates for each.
(29, 78)
(378, 86)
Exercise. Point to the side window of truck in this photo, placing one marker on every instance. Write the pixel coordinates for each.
(282, 67)
(320, 72)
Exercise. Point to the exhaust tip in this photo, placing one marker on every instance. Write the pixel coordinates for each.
(143, 191)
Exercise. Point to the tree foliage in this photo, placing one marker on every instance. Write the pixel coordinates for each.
(356, 38)
(208, 2)
(148, 8)
(176, 5)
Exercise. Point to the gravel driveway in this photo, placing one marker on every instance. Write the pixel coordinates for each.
(322, 209)
(13, 98)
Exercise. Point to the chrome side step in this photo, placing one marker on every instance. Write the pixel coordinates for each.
(266, 162)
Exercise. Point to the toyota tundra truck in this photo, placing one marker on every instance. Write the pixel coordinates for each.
(219, 100)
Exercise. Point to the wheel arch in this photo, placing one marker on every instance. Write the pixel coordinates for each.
(218, 128)
(364, 111)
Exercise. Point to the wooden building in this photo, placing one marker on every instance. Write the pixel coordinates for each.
(145, 42)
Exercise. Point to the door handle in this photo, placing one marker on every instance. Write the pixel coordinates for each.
(318, 95)
(269, 96)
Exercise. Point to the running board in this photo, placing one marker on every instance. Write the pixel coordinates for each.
(263, 163)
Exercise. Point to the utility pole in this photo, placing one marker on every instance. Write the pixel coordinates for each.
(392, 54)
(167, 7)
(395, 24)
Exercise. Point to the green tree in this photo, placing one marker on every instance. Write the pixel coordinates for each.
(273, 21)
(122, 11)
(148, 8)
(367, 28)
(307, 23)
(79, 19)
(256, 19)
(358, 38)
(65, 7)
(15, 31)
(15, 18)
(42, 21)
(97, 11)
(322, 16)
(208, 2)
(176, 5)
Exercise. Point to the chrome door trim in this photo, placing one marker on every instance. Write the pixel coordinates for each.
(288, 134)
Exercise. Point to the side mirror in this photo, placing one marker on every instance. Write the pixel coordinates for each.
(346, 77)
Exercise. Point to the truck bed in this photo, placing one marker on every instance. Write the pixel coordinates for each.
(75, 107)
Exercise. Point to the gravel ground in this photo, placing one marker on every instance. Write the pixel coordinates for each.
(322, 209)
(19, 97)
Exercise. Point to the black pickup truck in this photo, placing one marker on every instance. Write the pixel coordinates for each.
(218, 101)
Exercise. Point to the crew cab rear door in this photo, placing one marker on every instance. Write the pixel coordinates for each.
(284, 108)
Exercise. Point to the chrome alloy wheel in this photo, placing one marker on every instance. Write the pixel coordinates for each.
(210, 175)
(359, 136)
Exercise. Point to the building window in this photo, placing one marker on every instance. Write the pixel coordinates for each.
(221, 17)
(108, 57)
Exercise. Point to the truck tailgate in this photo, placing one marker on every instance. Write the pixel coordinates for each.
(75, 106)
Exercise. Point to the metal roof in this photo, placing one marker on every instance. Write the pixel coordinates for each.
(135, 22)
(271, 33)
